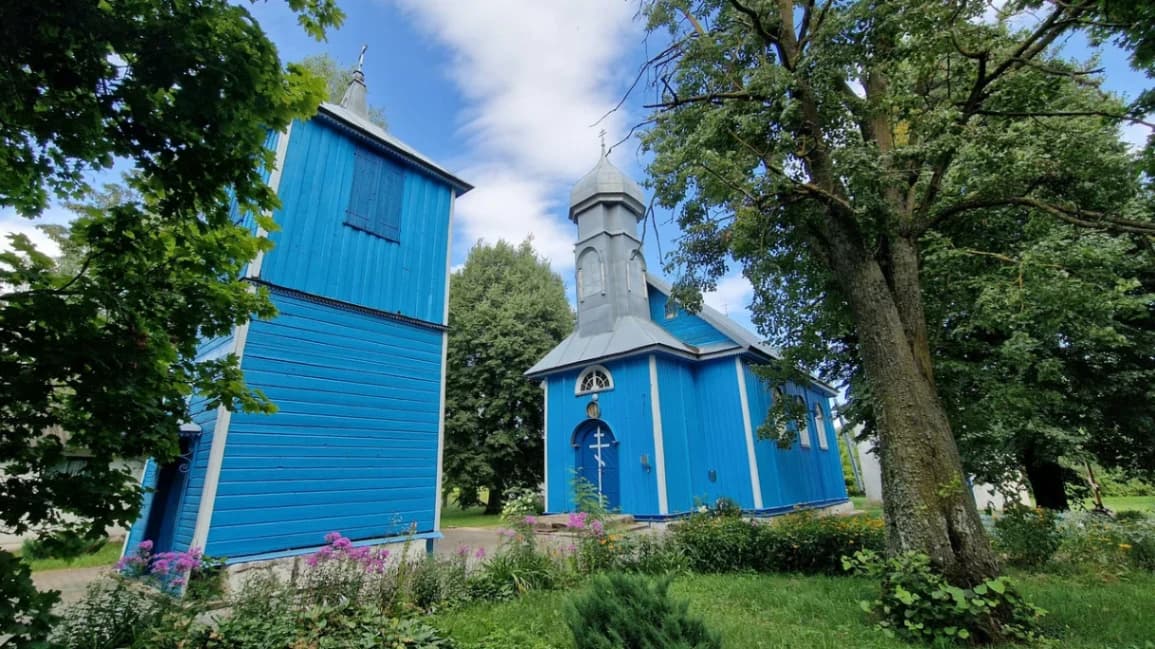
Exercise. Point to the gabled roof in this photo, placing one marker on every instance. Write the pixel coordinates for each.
(633, 335)
(368, 129)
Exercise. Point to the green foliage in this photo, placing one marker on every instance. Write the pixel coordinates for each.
(101, 355)
(856, 161)
(337, 80)
(587, 498)
(801, 542)
(327, 628)
(1027, 537)
(918, 603)
(521, 502)
(507, 309)
(1105, 547)
(628, 611)
(113, 614)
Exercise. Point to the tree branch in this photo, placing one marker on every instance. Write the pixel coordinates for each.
(1066, 113)
(1074, 216)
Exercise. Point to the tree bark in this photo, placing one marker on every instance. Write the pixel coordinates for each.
(1048, 482)
(496, 500)
(928, 506)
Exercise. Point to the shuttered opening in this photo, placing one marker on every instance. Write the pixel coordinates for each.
(375, 199)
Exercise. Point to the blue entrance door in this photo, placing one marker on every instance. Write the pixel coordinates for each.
(597, 460)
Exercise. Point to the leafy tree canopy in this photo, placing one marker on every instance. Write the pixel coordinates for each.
(507, 310)
(822, 145)
(99, 353)
(337, 80)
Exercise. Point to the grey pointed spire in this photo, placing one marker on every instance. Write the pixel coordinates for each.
(356, 95)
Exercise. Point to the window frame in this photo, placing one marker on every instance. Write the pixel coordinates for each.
(592, 369)
(820, 427)
(384, 200)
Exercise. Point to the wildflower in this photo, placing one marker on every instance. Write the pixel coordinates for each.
(462, 550)
(702, 509)
(578, 521)
(1125, 546)
(332, 537)
(480, 554)
(531, 520)
(597, 527)
(179, 581)
(506, 533)
(145, 546)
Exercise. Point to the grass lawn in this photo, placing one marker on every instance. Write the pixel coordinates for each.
(107, 555)
(454, 516)
(1122, 503)
(753, 611)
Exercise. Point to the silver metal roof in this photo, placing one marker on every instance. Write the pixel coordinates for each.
(605, 180)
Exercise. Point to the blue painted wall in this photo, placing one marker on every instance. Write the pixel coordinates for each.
(686, 327)
(317, 253)
(353, 445)
(626, 410)
(681, 433)
(721, 443)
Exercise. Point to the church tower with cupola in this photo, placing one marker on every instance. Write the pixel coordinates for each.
(656, 407)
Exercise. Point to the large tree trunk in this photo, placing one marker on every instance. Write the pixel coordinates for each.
(927, 503)
(496, 500)
(1048, 481)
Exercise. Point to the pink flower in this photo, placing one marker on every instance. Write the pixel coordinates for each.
(480, 554)
(160, 566)
(312, 561)
(462, 550)
(506, 533)
(145, 546)
(597, 527)
(531, 520)
(179, 581)
(332, 537)
(578, 520)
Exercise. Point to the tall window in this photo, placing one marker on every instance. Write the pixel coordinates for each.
(803, 429)
(594, 379)
(375, 198)
(820, 427)
(590, 274)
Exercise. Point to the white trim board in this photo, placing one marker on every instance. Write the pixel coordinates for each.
(240, 337)
(752, 458)
(659, 443)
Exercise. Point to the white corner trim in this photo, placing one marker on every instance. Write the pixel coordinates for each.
(545, 439)
(444, 369)
(659, 442)
(240, 337)
(752, 458)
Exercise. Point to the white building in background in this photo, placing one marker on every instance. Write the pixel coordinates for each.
(870, 473)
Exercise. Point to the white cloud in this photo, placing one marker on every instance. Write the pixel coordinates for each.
(732, 296)
(12, 223)
(510, 205)
(536, 76)
(1135, 135)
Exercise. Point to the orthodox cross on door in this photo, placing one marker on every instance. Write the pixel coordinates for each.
(597, 446)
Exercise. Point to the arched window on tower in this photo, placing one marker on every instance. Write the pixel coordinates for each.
(820, 427)
(803, 429)
(636, 273)
(590, 274)
(594, 379)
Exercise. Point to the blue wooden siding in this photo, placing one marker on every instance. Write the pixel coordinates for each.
(686, 484)
(794, 476)
(316, 252)
(136, 532)
(627, 411)
(353, 445)
(720, 445)
(686, 327)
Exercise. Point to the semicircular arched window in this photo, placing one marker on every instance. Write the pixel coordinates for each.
(820, 427)
(594, 379)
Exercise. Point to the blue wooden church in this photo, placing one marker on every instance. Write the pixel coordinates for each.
(657, 407)
(355, 360)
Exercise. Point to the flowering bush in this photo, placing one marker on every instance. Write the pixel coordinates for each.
(521, 502)
(1106, 546)
(172, 572)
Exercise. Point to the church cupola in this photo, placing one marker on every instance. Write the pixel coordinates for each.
(607, 205)
(356, 95)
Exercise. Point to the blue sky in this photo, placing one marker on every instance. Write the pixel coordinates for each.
(505, 93)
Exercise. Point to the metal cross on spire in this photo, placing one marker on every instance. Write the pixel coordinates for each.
(602, 134)
(361, 59)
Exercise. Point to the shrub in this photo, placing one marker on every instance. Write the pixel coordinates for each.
(198, 576)
(1105, 546)
(112, 614)
(918, 603)
(628, 611)
(521, 502)
(800, 542)
(1027, 537)
(809, 543)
